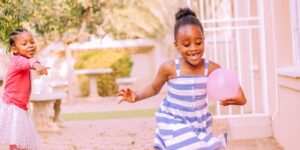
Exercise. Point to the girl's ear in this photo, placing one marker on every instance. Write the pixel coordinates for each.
(14, 49)
(176, 44)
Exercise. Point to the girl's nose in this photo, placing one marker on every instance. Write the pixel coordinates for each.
(31, 45)
(193, 47)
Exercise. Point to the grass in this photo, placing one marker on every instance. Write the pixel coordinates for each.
(113, 114)
(108, 115)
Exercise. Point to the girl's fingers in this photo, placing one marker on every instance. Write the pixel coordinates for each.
(42, 72)
(227, 102)
(120, 94)
(127, 95)
(222, 103)
(231, 101)
(120, 101)
(120, 98)
(123, 90)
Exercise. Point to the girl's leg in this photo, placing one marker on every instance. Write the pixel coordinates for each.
(14, 147)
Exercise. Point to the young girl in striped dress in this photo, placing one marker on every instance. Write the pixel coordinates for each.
(183, 120)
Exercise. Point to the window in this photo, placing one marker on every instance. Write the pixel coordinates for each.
(295, 22)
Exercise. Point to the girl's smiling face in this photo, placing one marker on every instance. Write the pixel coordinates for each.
(190, 43)
(24, 45)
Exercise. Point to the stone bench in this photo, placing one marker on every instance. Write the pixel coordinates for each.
(44, 115)
(59, 86)
(125, 82)
(92, 74)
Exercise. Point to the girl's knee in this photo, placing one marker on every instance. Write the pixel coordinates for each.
(14, 147)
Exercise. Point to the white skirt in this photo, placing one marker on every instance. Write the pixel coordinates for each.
(16, 127)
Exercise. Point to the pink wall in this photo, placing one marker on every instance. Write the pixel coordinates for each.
(286, 125)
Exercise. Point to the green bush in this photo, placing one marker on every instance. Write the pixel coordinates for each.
(118, 60)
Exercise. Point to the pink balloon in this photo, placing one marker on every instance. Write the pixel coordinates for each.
(222, 84)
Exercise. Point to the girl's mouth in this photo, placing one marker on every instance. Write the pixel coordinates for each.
(31, 52)
(194, 55)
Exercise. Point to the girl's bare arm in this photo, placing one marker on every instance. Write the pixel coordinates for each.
(152, 89)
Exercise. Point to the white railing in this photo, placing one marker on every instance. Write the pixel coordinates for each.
(235, 39)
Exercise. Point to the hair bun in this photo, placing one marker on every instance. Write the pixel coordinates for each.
(183, 12)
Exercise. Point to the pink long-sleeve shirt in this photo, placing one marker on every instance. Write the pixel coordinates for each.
(18, 84)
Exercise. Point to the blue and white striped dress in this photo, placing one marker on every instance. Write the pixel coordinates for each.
(183, 120)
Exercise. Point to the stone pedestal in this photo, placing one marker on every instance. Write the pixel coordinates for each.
(45, 113)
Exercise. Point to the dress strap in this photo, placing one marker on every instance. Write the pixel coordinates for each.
(177, 67)
(206, 63)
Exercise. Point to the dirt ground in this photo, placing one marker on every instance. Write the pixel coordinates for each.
(123, 134)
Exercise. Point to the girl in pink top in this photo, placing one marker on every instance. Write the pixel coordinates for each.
(16, 127)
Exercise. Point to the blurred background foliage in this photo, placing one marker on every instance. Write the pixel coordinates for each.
(13, 14)
(71, 21)
(118, 60)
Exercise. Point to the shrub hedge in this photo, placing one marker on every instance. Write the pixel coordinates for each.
(118, 60)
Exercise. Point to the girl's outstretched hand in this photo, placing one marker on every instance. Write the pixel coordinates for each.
(238, 100)
(127, 95)
(40, 69)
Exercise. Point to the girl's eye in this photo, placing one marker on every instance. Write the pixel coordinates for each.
(198, 42)
(186, 44)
